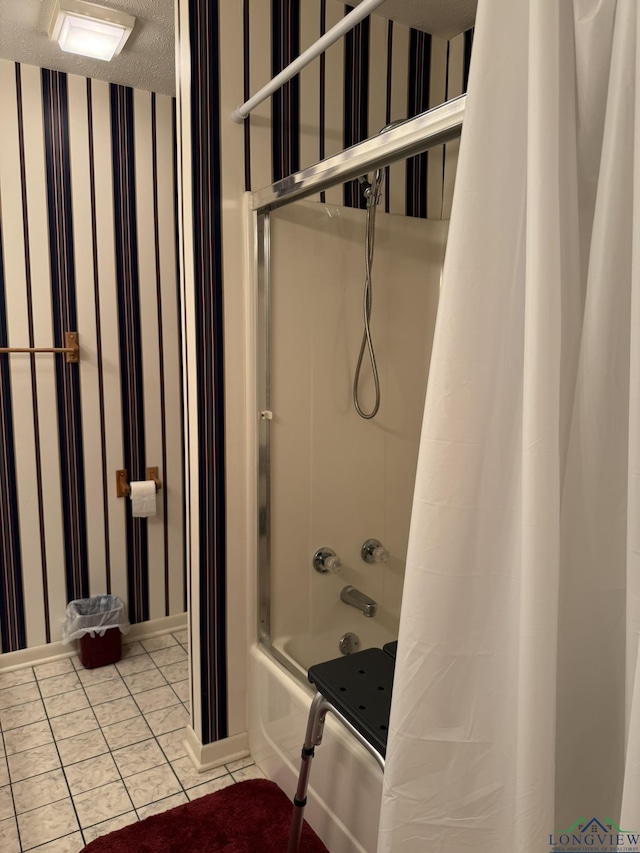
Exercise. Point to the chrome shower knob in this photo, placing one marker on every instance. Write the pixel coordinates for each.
(326, 561)
(373, 551)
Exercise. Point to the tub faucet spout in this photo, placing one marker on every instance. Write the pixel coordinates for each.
(351, 595)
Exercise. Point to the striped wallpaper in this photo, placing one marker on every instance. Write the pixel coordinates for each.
(88, 244)
(226, 51)
(381, 71)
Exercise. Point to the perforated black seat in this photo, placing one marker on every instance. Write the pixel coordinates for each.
(356, 689)
(391, 649)
(359, 687)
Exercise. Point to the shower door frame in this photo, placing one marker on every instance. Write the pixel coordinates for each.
(414, 136)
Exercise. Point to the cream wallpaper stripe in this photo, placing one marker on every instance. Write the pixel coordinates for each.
(107, 318)
(57, 215)
(36, 192)
(18, 511)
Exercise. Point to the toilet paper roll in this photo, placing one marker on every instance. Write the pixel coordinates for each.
(143, 498)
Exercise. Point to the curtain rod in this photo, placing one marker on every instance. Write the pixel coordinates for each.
(347, 23)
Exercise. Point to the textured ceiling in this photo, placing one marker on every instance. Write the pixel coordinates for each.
(147, 60)
(444, 18)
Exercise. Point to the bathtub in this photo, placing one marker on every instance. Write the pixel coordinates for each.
(346, 782)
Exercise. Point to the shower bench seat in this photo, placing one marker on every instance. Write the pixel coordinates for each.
(356, 689)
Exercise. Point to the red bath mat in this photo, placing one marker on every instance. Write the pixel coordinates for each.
(248, 817)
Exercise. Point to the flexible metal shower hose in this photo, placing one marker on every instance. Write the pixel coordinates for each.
(373, 199)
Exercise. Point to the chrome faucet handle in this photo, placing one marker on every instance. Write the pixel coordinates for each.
(326, 561)
(373, 551)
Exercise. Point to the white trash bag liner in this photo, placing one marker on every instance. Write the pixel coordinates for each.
(94, 616)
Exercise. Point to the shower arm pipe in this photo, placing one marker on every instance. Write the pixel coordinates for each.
(318, 47)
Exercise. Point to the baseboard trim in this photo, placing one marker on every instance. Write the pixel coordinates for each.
(58, 650)
(208, 756)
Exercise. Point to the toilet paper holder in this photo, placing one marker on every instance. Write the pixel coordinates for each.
(123, 489)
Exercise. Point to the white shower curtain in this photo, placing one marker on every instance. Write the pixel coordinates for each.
(516, 707)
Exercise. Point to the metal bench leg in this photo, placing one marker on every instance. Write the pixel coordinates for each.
(313, 738)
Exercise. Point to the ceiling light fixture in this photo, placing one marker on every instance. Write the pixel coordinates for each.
(89, 30)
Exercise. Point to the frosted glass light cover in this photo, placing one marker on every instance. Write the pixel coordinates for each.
(88, 37)
(90, 30)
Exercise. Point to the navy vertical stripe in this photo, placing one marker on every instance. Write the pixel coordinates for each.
(356, 97)
(183, 438)
(468, 46)
(418, 102)
(163, 422)
(34, 392)
(246, 34)
(323, 91)
(285, 41)
(96, 295)
(207, 248)
(12, 621)
(387, 112)
(128, 286)
(63, 292)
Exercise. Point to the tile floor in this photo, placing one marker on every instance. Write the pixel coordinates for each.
(84, 752)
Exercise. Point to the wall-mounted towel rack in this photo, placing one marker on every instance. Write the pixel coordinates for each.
(71, 348)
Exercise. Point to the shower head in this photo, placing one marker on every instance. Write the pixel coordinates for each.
(365, 186)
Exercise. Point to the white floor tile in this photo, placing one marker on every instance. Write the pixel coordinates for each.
(56, 706)
(9, 841)
(168, 719)
(22, 715)
(106, 691)
(93, 832)
(139, 663)
(81, 747)
(181, 689)
(47, 823)
(116, 711)
(55, 667)
(239, 764)
(139, 757)
(162, 805)
(127, 732)
(102, 804)
(17, 676)
(18, 695)
(182, 636)
(40, 791)
(152, 785)
(6, 803)
(23, 765)
(130, 650)
(172, 744)
(162, 642)
(176, 671)
(69, 844)
(210, 787)
(164, 657)
(154, 700)
(27, 737)
(189, 776)
(252, 772)
(75, 723)
(98, 675)
(59, 684)
(91, 773)
(140, 681)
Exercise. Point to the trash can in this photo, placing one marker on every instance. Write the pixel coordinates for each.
(98, 623)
